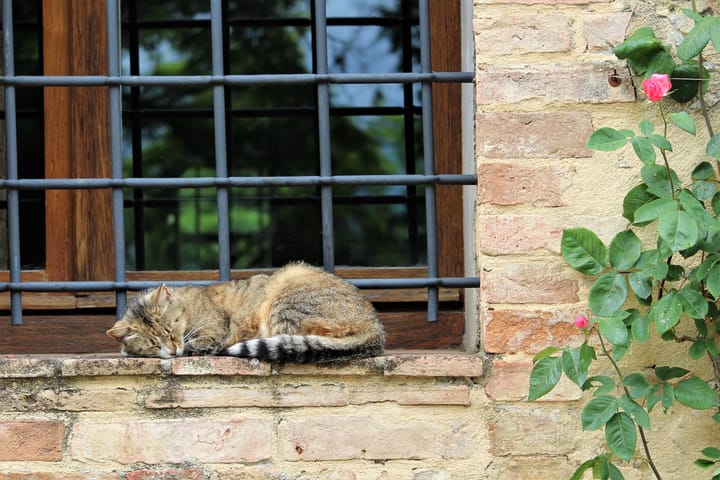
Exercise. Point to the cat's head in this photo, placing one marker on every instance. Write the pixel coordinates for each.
(146, 330)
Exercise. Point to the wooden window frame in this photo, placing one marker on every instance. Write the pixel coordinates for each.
(77, 145)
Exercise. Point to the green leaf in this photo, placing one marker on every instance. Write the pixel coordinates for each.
(713, 281)
(666, 312)
(607, 294)
(621, 435)
(697, 349)
(646, 127)
(585, 466)
(614, 330)
(660, 142)
(637, 412)
(625, 249)
(703, 190)
(544, 376)
(694, 393)
(644, 150)
(693, 303)
(614, 472)
(703, 463)
(598, 411)
(545, 352)
(711, 452)
(712, 149)
(711, 347)
(703, 171)
(640, 43)
(653, 209)
(685, 122)
(678, 229)
(606, 384)
(685, 84)
(696, 39)
(657, 180)
(640, 328)
(668, 396)
(693, 207)
(636, 198)
(583, 250)
(668, 373)
(641, 285)
(606, 139)
(637, 385)
(570, 360)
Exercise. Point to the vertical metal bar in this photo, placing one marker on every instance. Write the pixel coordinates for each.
(323, 106)
(429, 158)
(221, 169)
(115, 98)
(13, 196)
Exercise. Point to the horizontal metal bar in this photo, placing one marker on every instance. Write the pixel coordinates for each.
(210, 182)
(102, 286)
(213, 80)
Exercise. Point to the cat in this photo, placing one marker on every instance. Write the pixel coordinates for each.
(300, 313)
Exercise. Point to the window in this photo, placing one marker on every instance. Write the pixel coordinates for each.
(247, 134)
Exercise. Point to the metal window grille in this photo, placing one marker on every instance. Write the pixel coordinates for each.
(222, 182)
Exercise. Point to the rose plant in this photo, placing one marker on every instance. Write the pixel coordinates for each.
(671, 289)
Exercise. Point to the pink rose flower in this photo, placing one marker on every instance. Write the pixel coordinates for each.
(657, 86)
(581, 322)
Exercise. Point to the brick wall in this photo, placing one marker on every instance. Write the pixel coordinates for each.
(542, 69)
(541, 89)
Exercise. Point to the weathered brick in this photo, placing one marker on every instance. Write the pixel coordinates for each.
(603, 31)
(413, 395)
(528, 331)
(166, 441)
(549, 83)
(533, 134)
(546, 2)
(534, 430)
(518, 34)
(85, 475)
(81, 400)
(536, 468)
(510, 380)
(516, 234)
(547, 283)
(219, 366)
(371, 438)
(31, 440)
(167, 474)
(511, 184)
(433, 364)
(282, 396)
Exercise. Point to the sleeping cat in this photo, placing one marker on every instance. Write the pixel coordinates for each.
(300, 314)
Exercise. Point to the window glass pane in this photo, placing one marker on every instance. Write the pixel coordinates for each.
(272, 130)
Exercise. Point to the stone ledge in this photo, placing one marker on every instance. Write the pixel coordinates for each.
(410, 364)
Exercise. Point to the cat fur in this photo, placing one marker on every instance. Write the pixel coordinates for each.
(298, 314)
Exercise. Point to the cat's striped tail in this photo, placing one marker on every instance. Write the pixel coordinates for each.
(306, 348)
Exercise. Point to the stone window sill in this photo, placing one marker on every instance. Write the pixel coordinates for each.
(393, 364)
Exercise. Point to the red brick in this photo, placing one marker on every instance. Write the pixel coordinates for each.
(516, 234)
(213, 440)
(518, 34)
(602, 31)
(533, 134)
(31, 440)
(549, 83)
(510, 380)
(167, 474)
(533, 430)
(511, 184)
(545, 282)
(528, 331)
(370, 438)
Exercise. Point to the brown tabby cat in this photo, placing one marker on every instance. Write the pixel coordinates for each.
(299, 314)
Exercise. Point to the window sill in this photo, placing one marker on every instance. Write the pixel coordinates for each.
(393, 364)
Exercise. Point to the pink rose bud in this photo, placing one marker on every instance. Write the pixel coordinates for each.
(581, 322)
(657, 86)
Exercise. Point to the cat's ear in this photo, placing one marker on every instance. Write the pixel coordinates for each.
(119, 331)
(161, 296)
